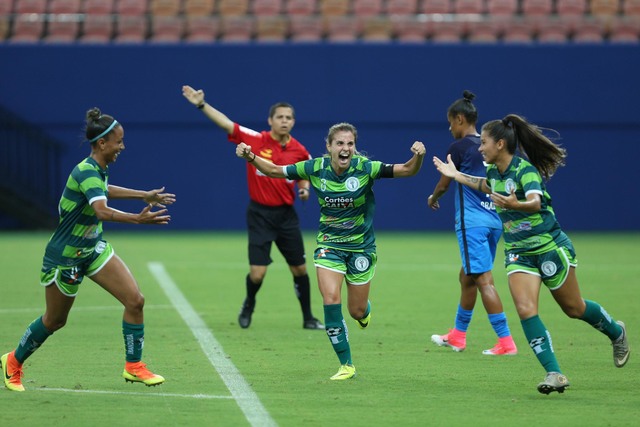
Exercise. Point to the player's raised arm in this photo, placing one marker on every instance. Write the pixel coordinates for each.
(196, 97)
(448, 169)
(269, 169)
(413, 165)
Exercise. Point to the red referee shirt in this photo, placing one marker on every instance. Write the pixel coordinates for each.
(262, 189)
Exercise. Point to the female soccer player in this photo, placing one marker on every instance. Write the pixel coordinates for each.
(536, 249)
(478, 229)
(343, 181)
(77, 249)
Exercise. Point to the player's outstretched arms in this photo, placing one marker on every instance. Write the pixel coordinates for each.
(449, 170)
(146, 216)
(159, 198)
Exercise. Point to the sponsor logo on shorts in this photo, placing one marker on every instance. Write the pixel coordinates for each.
(100, 247)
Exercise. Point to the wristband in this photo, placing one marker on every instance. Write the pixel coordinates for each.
(254, 157)
(201, 106)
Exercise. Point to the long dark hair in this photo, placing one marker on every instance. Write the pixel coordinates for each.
(520, 135)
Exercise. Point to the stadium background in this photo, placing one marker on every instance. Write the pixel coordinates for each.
(393, 93)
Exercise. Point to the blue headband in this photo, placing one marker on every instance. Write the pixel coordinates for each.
(106, 131)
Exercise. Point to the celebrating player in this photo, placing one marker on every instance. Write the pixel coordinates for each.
(536, 249)
(76, 249)
(346, 247)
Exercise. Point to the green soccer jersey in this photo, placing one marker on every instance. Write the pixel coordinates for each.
(531, 233)
(347, 203)
(79, 229)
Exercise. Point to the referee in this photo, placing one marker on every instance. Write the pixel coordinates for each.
(271, 216)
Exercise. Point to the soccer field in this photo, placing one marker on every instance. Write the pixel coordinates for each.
(277, 374)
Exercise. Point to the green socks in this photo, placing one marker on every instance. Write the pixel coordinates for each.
(133, 341)
(337, 332)
(33, 337)
(598, 317)
(540, 342)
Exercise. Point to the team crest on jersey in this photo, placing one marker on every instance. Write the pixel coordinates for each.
(352, 183)
(362, 263)
(509, 186)
(549, 268)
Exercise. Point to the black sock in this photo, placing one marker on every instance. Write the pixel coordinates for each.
(301, 286)
(252, 290)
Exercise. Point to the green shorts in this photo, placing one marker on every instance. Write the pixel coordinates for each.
(68, 278)
(358, 267)
(552, 267)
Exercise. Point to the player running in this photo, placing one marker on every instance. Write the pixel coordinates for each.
(537, 251)
(76, 249)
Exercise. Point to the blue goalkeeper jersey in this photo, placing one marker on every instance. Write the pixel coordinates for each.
(79, 229)
(347, 203)
(473, 208)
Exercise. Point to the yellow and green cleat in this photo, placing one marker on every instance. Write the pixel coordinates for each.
(345, 372)
(137, 372)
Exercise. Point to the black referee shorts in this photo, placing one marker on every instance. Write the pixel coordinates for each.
(279, 224)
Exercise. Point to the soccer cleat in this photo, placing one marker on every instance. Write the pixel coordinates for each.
(312, 323)
(345, 372)
(244, 318)
(12, 372)
(504, 347)
(554, 381)
(137, 372)
(455, 339)
(621, 347)
(363, 323)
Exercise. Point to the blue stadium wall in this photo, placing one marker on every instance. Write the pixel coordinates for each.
(394, 94)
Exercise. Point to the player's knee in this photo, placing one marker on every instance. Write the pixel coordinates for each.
(54, 323)
(135, 303)
(357, 312)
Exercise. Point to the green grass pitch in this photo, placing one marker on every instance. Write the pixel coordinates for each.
(276, 373)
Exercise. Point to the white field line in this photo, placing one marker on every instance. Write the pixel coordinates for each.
(129, 393)
(244, 396)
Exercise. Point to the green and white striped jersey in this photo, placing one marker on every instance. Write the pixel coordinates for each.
(79, 229)
(347, 203)
(531, 233)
